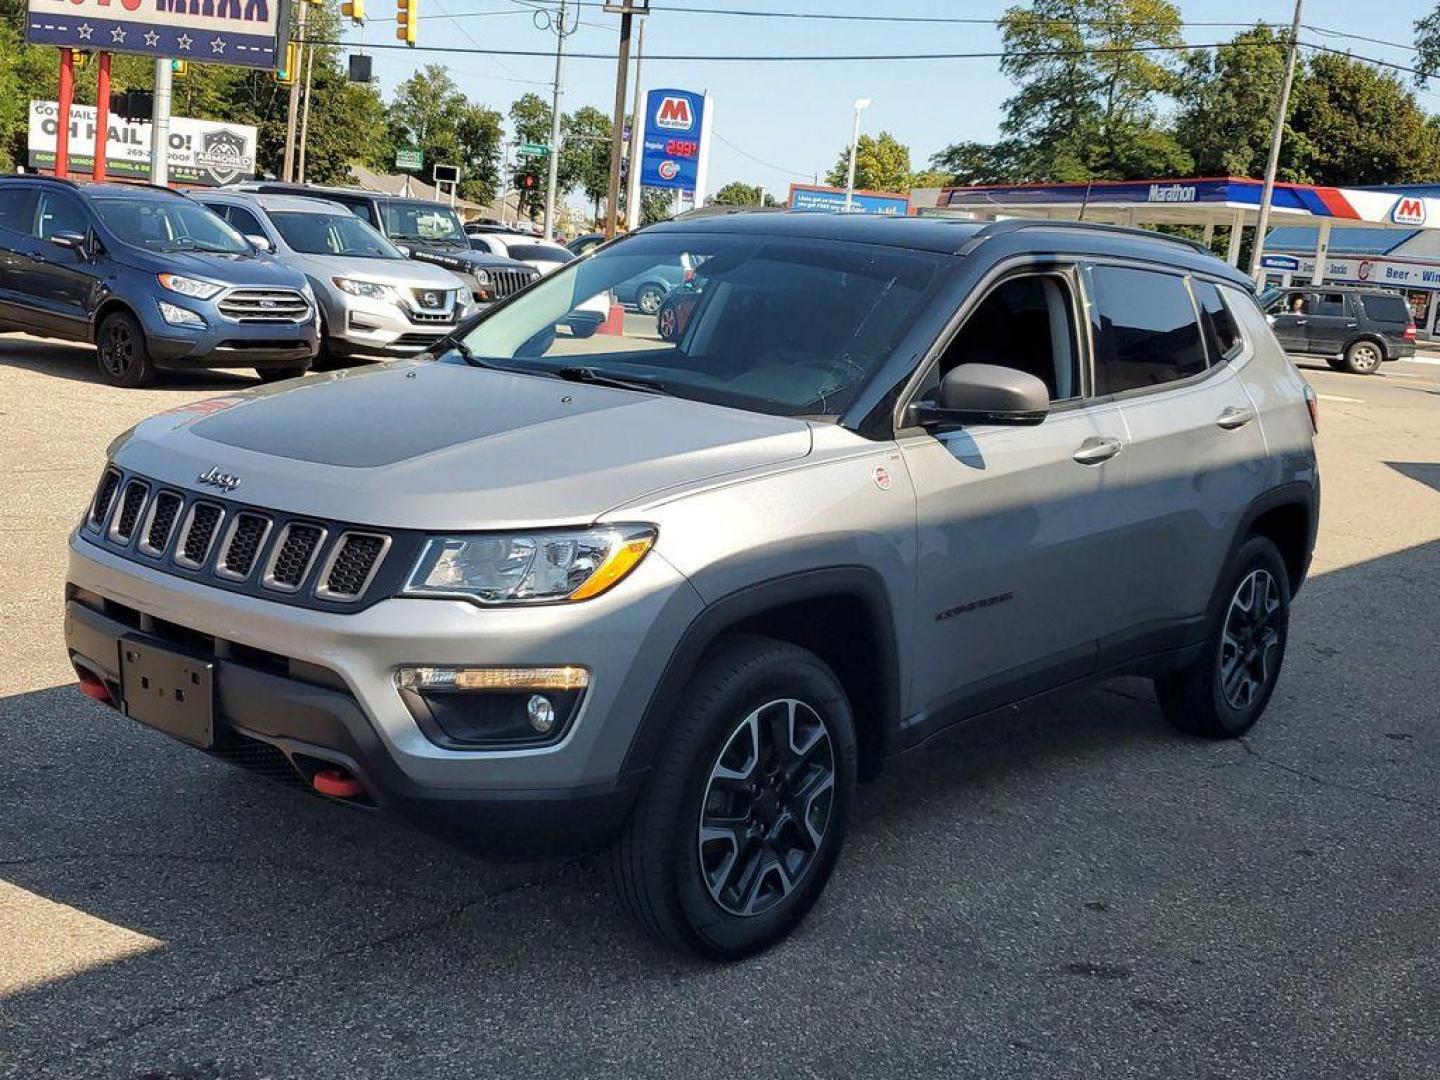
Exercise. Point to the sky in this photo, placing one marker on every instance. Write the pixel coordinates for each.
(780, 123)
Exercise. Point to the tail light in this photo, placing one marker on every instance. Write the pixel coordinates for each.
(1312, 404)
(1410, 331)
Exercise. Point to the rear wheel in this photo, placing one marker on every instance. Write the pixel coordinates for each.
(740, 826)
(668, 323)
(649, 299)
(122, 352)
(1223, 693)
(1363, 358)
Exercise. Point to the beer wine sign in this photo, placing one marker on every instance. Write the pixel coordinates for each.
(245, 33)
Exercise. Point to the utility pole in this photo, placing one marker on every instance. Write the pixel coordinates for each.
(627, 10)
(288, 172)
(305, 115)
(160, 124)
(1276, 136)
(637, 137)
(860, 105)
(553, 173)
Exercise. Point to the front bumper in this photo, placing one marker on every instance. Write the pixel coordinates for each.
(225, 343)
(361, 326)
(319, 687)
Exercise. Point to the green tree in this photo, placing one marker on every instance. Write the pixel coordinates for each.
(430, 111)
(585, 154)
(1227, 105)
(738, 193)
(982, 163)
(882, 163)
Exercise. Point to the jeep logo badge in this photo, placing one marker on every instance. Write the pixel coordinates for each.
(215, 478)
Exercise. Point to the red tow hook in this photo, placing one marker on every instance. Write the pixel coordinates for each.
(92, 686)
(336, 783)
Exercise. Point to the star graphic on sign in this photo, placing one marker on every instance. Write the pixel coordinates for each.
(85, 31)
(217, 46)
(185, 41)
(117, 36)
(152, 39)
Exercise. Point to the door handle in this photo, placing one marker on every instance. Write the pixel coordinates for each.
(1233, 418)
(1095, 450)
(1300, 322)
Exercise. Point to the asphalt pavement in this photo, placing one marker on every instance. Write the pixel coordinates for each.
(1067, 890)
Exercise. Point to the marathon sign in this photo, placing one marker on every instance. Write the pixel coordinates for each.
(201, 152)
(243, 33)
(676, 140)
(1171, 193)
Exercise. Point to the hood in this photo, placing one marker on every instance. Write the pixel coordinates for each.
(406, 273)
(463, 259)
(443, 446)
(224, 269)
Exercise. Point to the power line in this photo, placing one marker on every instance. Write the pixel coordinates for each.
(1327, 32)
(761, 161)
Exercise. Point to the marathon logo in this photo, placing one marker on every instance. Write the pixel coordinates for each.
(1171, 193)
(674, 114)
(1408, 211)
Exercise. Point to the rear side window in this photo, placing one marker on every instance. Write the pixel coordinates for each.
(1329, 304)
(17, 208)
(244, 222)
(1149, 334)
(1221, 334)
(1385, 308)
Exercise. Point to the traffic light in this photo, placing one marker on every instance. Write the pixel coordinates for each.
(354, 10)
(529, 181)
(407, 21)
(179, 68)
(286, 73)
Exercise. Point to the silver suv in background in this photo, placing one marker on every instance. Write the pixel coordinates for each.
(674, 599)
(373, 300)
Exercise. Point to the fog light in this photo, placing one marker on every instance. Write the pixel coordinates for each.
(541, 714)
(176, 315)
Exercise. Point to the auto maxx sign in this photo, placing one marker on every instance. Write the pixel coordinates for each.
(201, 152)
(237, 32)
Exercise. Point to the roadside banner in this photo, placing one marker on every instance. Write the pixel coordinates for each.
(242, 33)
(676, 149)
(832, 199)
(202, 152)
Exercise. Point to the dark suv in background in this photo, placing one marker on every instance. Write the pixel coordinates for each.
(153, 279)
(428, 231)
(1355, 329)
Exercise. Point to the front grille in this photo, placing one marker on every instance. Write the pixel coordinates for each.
(294, 554)
(415, 341)
(242, 544)
(446, 317)
(506, 282)
(160, 522)
(104, 496)
(351, 565)
(262, 759)
(264, 306)
(199, 535)
(131, 503)
(423, 299)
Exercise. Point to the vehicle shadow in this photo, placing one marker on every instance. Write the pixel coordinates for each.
(76, 361)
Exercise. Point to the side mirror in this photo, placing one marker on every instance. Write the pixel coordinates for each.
(259, 243)
(73, 240)
(404, 251)
(985, 394)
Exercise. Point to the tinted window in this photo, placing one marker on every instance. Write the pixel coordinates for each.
(422, 221)
(1332, 304)
(1221, 333)
(60, 212)
(1024, 323)
(244, 221)
(332, 234)
(539, 253)
(1386, 308)
(481, 243)
(17, 208)
(1148, 331)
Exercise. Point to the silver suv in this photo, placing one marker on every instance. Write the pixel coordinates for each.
(541, 593)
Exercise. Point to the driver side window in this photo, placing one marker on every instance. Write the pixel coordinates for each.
(60, 212)
(1026, 322)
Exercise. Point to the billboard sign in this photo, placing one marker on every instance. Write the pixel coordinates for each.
(832, 199)
(202, 152)
(244, 33)
(676, 149)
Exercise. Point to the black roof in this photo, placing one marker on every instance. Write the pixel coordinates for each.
(99, 191)
(959, 236)
(321, 191)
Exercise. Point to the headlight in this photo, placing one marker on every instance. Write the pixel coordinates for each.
(372, 289)
(200, 290)
(482, 277)
(176, 315)
(520, 568)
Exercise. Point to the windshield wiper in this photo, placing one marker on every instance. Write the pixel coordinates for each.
(599, 378)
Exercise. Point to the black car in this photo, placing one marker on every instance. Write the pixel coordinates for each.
(428, 231)
(152, 278)
(1354, 328)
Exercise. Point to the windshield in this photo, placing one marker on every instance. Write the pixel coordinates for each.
(170, 225)
(332, 234)
(784, 326)
(421, 221)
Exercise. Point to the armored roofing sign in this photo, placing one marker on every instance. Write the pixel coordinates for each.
(239, 32)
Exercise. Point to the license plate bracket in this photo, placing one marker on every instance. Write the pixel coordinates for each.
(168, 690)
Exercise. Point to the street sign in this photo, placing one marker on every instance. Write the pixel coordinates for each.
(409, 158)
(217, 33)
(534, 149)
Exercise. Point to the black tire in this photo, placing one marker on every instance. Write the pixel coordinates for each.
(1222, 694)
(659, 863)
(279, 374)
(1364, 357)
(667, 322)
(122, 353)
(1336, 362)
(648, 299)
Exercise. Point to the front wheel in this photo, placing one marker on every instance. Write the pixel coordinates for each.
(1222, 694)
(122, 352)
(739, 828)
(649, 299)
(1363, 358)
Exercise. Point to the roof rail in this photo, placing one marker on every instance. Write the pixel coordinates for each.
(39, 176)
(1010, 225)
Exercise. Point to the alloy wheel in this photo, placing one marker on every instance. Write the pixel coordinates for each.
(649, 301)
(665, 323)
(1250, 638)
(1365, 357)
(766, 807)
(117, 351)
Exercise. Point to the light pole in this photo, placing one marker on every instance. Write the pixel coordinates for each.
(860, 105)
(557, 22)
(1277, 134)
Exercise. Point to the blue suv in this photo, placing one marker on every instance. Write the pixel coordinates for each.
(155, 280)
